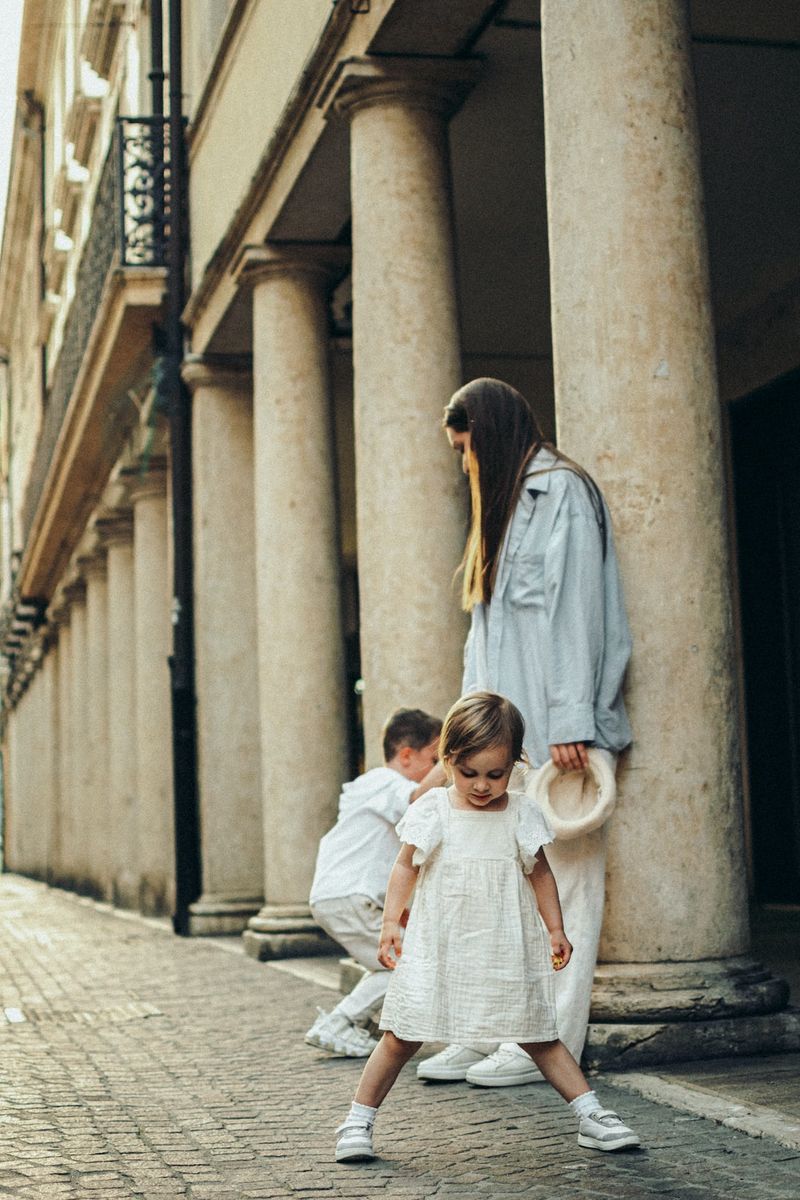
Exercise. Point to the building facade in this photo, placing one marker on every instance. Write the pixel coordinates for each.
(387, 197)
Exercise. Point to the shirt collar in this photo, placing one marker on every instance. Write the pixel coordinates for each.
(539, 472)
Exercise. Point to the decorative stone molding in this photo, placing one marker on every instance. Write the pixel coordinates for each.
(100, 34)
(83, 117)
(147, 479)
(114, 527)
(225, 371)
(439, 85)
(289, 258)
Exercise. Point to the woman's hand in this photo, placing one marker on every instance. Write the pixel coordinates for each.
(560, 949)
(391, 940)
(570, 756)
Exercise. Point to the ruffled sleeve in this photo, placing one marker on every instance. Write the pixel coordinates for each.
(421, 826)
(533, 831)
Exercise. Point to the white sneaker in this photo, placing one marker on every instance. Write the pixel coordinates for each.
(354, 1143)
(449, 1064)
(504, 1068)
(603, 1130)
(333, 1032)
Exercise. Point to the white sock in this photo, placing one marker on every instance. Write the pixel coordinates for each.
(585, 1105)
(362, 1114)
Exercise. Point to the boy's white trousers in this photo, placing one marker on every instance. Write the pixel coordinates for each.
(355, 923)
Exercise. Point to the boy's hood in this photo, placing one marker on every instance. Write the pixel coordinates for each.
(370, 784)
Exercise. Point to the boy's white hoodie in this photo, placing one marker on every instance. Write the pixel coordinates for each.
(357, 855)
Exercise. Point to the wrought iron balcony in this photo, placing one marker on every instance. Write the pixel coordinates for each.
(129, 228)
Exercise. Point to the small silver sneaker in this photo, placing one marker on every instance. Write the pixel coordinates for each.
(603, 1130)
(354, 1142)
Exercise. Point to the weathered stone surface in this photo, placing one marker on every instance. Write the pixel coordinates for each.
(619, 1046)
(695, 991)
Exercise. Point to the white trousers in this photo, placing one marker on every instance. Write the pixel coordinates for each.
(355, 923)
(579, 866)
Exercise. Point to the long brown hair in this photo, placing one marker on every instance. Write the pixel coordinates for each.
(504, 437)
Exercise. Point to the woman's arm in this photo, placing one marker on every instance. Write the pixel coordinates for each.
(398, 893)
(575, 631)
(545, 890)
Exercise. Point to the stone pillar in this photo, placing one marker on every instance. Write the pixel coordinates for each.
(225, 640)
(115, 531)
(99, 830)
(51, 752)
(636, 403)
(407, 363)
(300, 646)
(153, 724)
(78, 815)
(61, 867)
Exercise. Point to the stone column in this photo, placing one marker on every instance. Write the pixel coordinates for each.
(407, 363)
(99, 831)
(115, 530)
(51, 752)
(225, 646)
(63, 700)
(77, 816)
(636, 403)
(153, 723)
(300, 646)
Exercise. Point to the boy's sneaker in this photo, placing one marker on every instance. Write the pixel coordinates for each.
(354, 1142)
(333, 1032)
(449, 1064)
(603, 1130)
(505, 1068)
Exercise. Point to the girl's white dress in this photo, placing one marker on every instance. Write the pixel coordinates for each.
(476, 963)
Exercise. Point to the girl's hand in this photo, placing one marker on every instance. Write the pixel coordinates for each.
(570, 756)
(391, 940)
(560, 949)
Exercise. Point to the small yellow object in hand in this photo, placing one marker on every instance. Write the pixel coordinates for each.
(558, 961)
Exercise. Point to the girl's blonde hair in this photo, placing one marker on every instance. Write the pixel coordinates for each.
(479, 721)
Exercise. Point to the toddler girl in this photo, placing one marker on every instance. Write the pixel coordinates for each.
(476, 964)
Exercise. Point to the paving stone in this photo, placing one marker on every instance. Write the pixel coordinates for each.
(218, 1098)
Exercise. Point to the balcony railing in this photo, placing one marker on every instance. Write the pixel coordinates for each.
(129, 228)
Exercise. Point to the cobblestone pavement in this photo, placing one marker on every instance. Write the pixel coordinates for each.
(136, 1064)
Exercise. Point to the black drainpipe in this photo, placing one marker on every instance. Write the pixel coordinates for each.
(188, 881)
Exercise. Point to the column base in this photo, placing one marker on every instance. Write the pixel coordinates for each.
(646, 1013)
(685, 991)
(628, 1047)
(214, 914)
(286, 931)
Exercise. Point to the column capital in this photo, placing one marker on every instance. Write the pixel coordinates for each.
(327, 262)
(93, 562)
(234, 371)
(149, 478)
(439, 85)
(74, 592)
(114, 526)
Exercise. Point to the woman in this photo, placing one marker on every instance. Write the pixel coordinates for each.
(549, 631)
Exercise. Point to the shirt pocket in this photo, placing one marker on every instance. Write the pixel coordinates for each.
(526, 581)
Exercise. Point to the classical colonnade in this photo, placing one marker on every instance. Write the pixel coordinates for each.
(636, 403)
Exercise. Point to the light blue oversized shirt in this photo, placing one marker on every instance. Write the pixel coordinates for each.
(554, 638)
